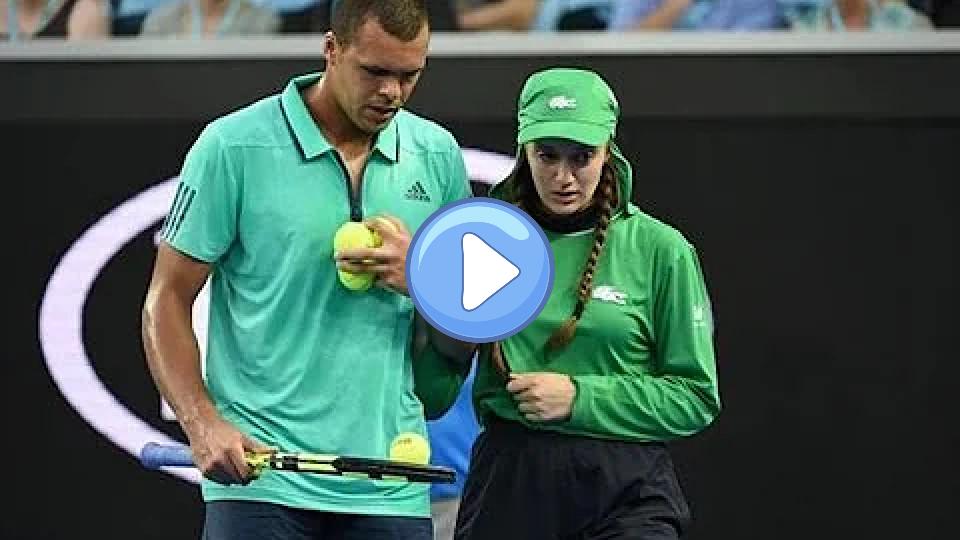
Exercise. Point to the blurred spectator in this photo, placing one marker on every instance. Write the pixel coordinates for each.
(296, 16)
(72, 19)
(316, 18)
(128, 15)
(300, 16)
(210, 18)
(451, 440)
(853, 15)
(516, 15)
(712, 15)
(945, 13)
(289, 6)
(574, 15)
(443, 15)
(539, 15)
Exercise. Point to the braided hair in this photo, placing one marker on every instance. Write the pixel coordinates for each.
(607, 201)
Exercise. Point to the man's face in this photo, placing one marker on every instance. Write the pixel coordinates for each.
(374, 75)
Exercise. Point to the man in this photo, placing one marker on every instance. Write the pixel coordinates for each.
(295, 360)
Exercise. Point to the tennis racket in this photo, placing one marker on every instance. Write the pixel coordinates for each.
(154, 456)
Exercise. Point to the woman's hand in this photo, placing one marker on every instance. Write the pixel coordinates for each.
(543, 397)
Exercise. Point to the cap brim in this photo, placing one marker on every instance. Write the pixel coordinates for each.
(588, 134)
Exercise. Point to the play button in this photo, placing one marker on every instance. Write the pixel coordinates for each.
(485, 271)
(479, 270)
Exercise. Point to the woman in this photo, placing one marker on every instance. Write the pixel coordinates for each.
(576, 407)
(22, 20)
(210, 18)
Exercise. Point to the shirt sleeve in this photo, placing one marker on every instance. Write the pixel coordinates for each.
(436, 382)
(202, 221)
(681, 397)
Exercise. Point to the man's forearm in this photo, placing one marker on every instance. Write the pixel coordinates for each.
(174, 359)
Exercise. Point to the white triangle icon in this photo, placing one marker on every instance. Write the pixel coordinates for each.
(485, 271)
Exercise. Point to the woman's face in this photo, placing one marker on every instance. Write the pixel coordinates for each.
(565, 173)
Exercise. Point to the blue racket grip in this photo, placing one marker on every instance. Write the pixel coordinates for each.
(154, 455)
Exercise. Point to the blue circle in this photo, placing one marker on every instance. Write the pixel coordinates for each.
(435, 269)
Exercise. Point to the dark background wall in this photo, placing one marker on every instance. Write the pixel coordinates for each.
(818, 188)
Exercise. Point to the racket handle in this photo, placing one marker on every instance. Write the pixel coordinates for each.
(154, 455)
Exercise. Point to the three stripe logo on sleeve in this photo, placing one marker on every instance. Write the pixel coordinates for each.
(181, 203)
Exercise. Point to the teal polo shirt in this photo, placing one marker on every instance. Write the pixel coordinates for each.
(294, 359)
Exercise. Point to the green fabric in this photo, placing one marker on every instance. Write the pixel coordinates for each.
(438, 382)
(571, 104)
(642, 359)
(294, 358)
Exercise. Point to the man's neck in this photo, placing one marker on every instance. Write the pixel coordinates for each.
(334, 123)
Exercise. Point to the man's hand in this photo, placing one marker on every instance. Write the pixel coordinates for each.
(543, 397)
(388, 262)
(219, 450)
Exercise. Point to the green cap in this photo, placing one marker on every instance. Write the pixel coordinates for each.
(567, 103)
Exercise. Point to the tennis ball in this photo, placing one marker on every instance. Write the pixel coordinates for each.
(353, 234)
(410, 448)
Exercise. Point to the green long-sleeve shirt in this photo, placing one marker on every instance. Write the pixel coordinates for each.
(642, 359)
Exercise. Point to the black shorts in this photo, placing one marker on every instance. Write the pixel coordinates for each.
(536, 485)
(253, 520)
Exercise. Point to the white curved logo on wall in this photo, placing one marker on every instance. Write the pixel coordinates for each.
(61, 311)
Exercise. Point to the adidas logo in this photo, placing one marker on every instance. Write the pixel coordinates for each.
(417, 193)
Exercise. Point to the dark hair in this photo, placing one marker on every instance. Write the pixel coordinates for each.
(402, 19)
(607, 200)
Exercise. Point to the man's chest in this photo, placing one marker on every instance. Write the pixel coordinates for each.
(297, 209)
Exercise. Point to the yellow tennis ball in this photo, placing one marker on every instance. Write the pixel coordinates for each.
(354, 234)
(410, 448)
(356, 282)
